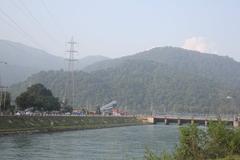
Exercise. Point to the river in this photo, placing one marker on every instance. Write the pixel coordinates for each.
(103, 144)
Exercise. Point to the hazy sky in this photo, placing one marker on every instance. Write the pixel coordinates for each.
(115, 28)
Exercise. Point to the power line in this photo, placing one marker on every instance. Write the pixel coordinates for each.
(15, 28)
(28, 11)
(45, 6)
(20, 28)
(10, 44)
(10, 24)
(52, 17)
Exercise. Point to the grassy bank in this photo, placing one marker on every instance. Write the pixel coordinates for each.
(27, 124)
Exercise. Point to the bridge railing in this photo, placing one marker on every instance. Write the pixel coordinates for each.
(196, 117)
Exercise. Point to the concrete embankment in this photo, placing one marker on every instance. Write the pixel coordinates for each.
(36, 124)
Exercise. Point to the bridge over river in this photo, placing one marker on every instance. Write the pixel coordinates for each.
(189, 119)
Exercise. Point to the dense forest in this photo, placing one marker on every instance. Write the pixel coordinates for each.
(160, 80)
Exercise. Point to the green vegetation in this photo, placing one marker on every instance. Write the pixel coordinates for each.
(164, 79)
(19, 124)
(38, 97)
(216, 142)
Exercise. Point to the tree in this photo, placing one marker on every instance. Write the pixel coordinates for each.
(38, 97)
(216, 141)
(220, 139)
(192, 143)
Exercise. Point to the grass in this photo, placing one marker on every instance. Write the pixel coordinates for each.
(13, 124)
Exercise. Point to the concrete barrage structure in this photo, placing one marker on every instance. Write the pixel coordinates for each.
(200, 120)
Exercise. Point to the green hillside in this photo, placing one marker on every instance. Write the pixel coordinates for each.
(165, 79)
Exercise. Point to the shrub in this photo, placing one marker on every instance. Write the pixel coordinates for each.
(192, 143)
(217, 141)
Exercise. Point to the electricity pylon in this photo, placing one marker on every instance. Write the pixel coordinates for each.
(69, 93)
(3, 92)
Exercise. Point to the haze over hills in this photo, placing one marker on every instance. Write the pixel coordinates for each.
(89, 60)
(161, 79)
(221, 68)
(23, 61)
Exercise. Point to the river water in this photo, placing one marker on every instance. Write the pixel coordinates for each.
(103, 144)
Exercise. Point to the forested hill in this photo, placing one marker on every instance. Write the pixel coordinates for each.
(220, 68)
(164, 79)
(24, 60)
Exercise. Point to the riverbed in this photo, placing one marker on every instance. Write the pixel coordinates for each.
(98, 144)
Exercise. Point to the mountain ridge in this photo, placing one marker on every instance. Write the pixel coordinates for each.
(23, 61)
(182, 59)
(165, 79)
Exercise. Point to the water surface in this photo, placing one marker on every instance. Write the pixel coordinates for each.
(103, 144)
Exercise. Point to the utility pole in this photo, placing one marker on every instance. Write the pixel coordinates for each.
(1, 100)
(2, 93)
(151, 108)
(69, 95)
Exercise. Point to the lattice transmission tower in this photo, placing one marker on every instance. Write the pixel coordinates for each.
(69, 93)
(3, 93)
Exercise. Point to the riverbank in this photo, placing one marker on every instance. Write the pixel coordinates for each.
(39, 124)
